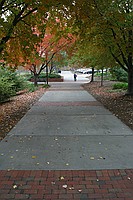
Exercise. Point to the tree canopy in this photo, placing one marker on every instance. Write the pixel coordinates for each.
(103, 28)
(19, 20)
(105, 25)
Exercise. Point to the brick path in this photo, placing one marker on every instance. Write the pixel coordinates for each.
(63, 185)
(91, 103)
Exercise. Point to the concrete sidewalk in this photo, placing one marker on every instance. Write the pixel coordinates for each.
(69, 131)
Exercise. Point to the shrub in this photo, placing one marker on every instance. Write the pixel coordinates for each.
(18, 82)
(54, 76)
(46, 86)
(6, 89)
(119, 74)
(10, 83)
(28, 76)
(43, 75)
(122, 86)
(30, 87)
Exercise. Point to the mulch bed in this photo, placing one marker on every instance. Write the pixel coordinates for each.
(13, 110)
(118, 103)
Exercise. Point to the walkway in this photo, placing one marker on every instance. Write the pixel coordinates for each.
(67, 146)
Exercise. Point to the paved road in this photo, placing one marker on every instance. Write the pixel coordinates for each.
(67, 129)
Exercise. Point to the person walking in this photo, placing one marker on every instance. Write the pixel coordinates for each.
(75, 77)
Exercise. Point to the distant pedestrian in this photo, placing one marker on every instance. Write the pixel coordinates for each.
(75, 77)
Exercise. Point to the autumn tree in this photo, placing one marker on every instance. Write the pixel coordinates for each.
(19, 18)
(45, 52)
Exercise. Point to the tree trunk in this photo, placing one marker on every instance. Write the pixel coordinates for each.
(130, 82)
(92, 77)
(51, 67)
(35, 79)
(102, 78)
(47, 74)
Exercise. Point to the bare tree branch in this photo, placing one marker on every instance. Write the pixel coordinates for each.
(119, 47)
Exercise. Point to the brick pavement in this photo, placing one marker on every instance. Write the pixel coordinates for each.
(90, 103)
(69, 184)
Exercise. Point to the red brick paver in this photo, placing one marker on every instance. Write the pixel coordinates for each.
(63, 185)
(82, 103)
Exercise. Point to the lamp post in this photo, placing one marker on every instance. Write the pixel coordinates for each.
(46, 68)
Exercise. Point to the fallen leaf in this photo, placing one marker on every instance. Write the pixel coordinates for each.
(92, 158)
(71, 188)
(101, 157)
(67, 164)
(62, 178)
(33, 157)
(15, 186)
(64, 186)
(100, 143)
